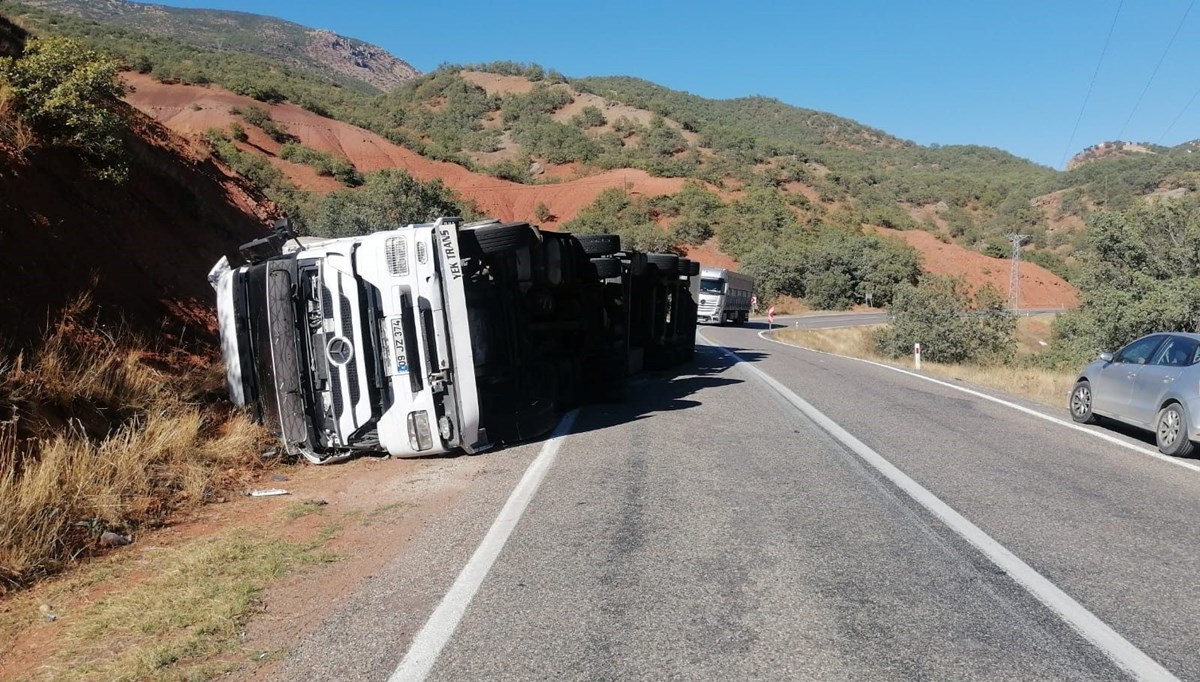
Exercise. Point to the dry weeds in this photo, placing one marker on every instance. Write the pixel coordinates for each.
(1040, 385)
(13, 130)
(100, 432)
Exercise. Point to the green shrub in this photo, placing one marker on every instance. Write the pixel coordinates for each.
(261, 118)
(387, 199)
(589, 117)
(324, 163)
(950, 325)
(68, 95)
(692, 229)
(1139, 274)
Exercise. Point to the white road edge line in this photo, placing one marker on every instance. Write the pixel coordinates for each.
(1000, 401)
(437, 631)
(1118, 649)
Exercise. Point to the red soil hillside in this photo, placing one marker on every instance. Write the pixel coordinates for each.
(142, 248)
(190, 110)
(1040, 288)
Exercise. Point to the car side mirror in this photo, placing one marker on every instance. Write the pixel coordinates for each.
(1106, 357)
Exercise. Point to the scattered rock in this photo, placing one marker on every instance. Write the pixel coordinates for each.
(279, 477)
(111, 539)
(536, 168)
(268, 492)
(47, 613)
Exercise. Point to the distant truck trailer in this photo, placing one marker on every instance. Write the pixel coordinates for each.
(724, 296)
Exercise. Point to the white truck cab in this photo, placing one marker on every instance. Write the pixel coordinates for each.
(354, 344)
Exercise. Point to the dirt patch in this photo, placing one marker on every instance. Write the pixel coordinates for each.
(143, 247)
(172, 105)
(496, 84)
(1040, 288)
(709, 255)
(377, 504)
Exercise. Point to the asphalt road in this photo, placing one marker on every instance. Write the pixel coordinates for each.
(707, 528)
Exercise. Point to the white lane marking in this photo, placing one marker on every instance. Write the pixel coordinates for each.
(1118, 649)
(1000, 401)
(437, 631)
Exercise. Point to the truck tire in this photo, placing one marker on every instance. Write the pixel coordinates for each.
(600, 244)
(668, 264)
(606, 267)
(684, 267)
(495, 238)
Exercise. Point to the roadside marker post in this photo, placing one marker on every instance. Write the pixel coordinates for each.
(771, 317)
(917, 355)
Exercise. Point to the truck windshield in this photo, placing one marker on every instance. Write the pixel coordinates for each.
(712, 286)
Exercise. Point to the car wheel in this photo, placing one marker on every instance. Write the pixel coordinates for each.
(1081, 403)
(1171, 433)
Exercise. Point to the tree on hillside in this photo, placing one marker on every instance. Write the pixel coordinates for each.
(762, 217)
(69, 95)
(1141, 274)
(613, 212)
(951, 325)
(387, 199)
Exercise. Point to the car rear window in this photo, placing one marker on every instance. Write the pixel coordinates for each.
(1178, 351)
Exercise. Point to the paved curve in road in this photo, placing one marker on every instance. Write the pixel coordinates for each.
(707, 529)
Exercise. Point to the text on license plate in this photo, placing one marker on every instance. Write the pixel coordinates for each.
(398, 353)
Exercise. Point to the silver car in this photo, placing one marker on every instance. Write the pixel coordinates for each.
(1152, 383)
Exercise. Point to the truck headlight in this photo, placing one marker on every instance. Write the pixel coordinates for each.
(419, 435)
(396, 249)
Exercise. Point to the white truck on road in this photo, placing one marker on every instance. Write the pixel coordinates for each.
(724, 296)
(440, 336)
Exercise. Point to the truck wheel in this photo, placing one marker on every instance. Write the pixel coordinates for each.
(493, 239)
(668, 264)
(600, 244)
(535, 421)
(684, 267)
(606, 267)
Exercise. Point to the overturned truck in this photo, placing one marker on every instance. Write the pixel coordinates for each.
(442, 336)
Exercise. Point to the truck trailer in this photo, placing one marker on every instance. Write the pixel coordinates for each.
(441, 336)
(725, 296)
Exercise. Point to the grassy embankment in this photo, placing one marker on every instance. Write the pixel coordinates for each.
(101, 432)
(1034, 383)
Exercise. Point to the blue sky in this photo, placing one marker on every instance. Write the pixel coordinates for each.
(1011, 74)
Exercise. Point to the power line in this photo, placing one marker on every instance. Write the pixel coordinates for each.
(1181, 113)
(1088, 96)
(1163, 57)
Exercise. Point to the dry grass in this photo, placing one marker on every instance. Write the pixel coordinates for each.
(183, 621)
(174, 613)
(13, 130)
(100, 432)
(1040, 385)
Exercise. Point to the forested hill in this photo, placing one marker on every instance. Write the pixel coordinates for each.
(534, 126)
(343, 60)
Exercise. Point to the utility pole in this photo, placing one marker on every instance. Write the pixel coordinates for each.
(1014, 277)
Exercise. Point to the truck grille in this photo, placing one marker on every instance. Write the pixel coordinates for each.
(397, 255)
(352, 366)
(707, 307)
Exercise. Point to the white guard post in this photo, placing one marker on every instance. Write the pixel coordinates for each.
(917, 354)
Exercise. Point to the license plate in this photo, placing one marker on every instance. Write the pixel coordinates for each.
(399, 355)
